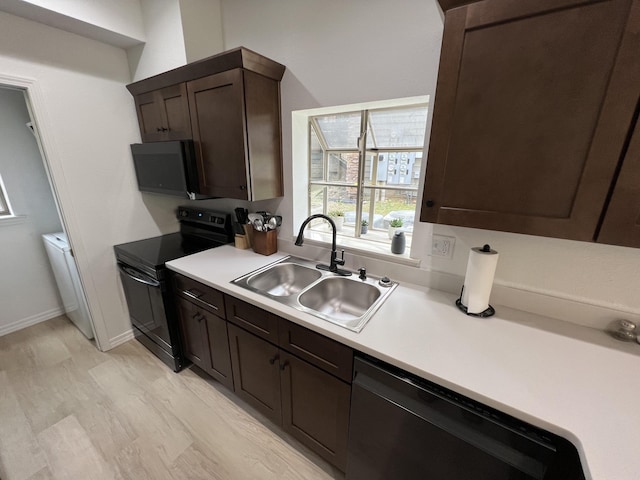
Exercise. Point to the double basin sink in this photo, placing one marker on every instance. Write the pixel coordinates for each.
(346, 301)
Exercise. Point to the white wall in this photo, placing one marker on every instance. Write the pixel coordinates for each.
(164, 48)
(120, 16)
(337, 53)
(201, 28)
(340, 52)
(87, 121)
(116, 22)
(177, 32)
(28, 291)
(159, 34)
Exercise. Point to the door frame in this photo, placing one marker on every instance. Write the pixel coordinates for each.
(51, 159)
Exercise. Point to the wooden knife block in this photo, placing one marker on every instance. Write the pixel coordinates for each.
(265, 243)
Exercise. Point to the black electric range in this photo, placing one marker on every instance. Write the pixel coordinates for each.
(146, 283)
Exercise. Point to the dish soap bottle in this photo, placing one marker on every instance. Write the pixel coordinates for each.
(398, 243)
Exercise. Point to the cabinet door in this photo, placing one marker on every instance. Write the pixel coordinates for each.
(164, 114)
(262, 109)
(219, 353)
(193, 325)
(216, 106)
(530, 119)
(621, 224)
(205, 341)
(174, 107)
(256, 372)
(149, 117)
(315, 408)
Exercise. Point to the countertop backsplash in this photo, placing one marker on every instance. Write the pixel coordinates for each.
(541, 303)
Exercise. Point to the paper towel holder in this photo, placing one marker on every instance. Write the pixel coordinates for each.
(489, 312)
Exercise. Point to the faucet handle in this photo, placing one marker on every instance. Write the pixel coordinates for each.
(340, 261)
(363, 273)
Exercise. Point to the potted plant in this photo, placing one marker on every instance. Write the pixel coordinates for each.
(337, 216)
(364, 227)
(394, 225)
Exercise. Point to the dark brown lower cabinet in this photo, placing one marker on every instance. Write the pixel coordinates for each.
(205, 341)
(256, 370)
(297, 378)
(310, 404)
(315, 408)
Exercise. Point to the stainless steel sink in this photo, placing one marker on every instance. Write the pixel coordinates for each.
(340, 298)
(346, 301)
(283, 279)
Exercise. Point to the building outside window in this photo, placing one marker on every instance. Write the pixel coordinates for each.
(366, 165)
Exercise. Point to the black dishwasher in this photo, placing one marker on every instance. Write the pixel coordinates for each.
(403, 427)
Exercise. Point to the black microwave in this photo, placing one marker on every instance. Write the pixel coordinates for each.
(168, 168)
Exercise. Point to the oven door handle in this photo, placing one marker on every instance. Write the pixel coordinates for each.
(137, 276)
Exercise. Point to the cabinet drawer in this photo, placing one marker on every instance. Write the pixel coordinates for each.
(252, 319)
(327, 354)
(201, 295)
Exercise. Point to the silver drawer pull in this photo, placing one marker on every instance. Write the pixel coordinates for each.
(190, 294)
(196, 296)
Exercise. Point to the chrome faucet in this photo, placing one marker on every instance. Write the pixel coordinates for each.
(335, 261)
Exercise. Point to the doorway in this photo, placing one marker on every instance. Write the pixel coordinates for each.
(39, 278)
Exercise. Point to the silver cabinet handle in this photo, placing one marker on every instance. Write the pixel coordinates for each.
(190, 294)
(196, 296)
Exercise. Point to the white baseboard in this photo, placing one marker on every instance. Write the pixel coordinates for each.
(32, 320)
(120, 339)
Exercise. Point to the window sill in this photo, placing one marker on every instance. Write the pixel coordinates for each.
(377, 250)
(8, 220)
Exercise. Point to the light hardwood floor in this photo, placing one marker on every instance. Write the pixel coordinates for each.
(68, 411)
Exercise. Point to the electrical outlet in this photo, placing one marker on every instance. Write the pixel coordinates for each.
(442, 246)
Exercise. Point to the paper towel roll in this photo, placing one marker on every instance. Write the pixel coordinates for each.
(478, 280)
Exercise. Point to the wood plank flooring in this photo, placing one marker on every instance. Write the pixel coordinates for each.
(68, 411)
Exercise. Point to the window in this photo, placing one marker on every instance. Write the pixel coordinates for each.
(366, 164)
(5, 206)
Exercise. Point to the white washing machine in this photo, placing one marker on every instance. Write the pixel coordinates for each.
(68, 280)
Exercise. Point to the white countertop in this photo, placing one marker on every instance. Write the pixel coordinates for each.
(520, 363)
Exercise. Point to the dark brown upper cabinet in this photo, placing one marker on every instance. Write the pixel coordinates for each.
(235, 117)
(532, 117)
(164, 114)
(621, 225)
(229, 104)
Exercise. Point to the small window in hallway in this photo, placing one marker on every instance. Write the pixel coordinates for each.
(5, 206)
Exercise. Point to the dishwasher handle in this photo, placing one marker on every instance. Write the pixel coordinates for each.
(134, 274)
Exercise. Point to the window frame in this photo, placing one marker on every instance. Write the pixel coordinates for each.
(6, 211)
(363, 152)
(299, 180)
